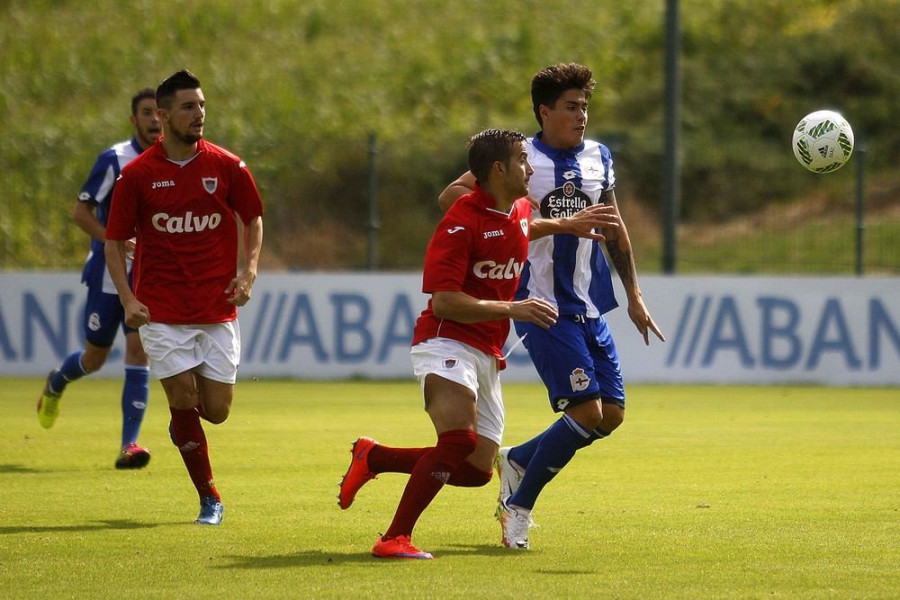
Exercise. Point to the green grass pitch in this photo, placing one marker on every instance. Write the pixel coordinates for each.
(704, 492)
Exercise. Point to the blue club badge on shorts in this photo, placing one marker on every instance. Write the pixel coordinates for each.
(210, 184)
(579, 380)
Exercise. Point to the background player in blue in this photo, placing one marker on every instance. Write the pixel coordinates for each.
(577, 358)
(103, 314)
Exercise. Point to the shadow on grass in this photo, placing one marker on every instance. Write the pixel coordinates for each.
(317, 558)
(18, 469)
(91, 526)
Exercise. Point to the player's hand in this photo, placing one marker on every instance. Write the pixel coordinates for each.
(130, 246)
(588, 221)
(239, 290)
(136, 314)
(534, 310)
(641, 318)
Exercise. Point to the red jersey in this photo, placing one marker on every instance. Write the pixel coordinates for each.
(184, 216)
(480, 251)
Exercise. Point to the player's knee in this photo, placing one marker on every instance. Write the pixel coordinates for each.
(481, 478)
(215, 415)
(613, 416)
(93, 358)
(612, 419)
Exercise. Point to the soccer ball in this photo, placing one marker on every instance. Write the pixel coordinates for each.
(823, 141)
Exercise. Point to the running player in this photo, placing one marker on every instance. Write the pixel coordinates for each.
(472, 268)
(577, 358)
(103, 314)
(182, 200)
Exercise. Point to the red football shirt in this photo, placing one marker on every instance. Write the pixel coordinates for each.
(480, 251)
(185, 219)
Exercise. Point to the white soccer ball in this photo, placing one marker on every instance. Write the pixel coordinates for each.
(823, 141)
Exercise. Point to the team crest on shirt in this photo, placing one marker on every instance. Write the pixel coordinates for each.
(210, 184)
(523, 223)
(579, 380)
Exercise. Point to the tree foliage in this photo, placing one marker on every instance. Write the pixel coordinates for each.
(298, 88)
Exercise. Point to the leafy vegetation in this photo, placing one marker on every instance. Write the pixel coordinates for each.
(299, 88)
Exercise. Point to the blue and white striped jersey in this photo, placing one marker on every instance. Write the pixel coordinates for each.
(565, 270)
(97, 190)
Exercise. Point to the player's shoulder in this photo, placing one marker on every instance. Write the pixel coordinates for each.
(112, 153)
(219, 152)
(594, 147)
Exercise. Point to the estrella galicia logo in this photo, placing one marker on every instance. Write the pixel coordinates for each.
(564, 201)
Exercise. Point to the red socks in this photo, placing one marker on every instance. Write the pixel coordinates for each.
(385, 459)
(188, 435)
(431, 472)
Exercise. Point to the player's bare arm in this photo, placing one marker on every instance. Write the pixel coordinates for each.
(136, 313)
(83, 216)
(534, 310)
(463, 308)
(240, 288)
(618, 246)
(464, 184)
(585, 223)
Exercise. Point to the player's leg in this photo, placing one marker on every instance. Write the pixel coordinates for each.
(449, 373)
(368, 458)
(135, 394)
(183, 395)
(477, 470)
(562, 359)
(100, 322)
(176, 353)
(451, 407)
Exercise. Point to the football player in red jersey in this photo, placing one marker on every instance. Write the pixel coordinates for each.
(472, 268)
(182, 200)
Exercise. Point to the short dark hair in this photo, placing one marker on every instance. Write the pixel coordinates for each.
(489, 146)
(141, 95)
(548, 85)
(182, 80)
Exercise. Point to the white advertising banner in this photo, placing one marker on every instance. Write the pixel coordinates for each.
(832, 331)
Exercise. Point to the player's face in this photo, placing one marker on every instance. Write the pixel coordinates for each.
(519, 171)
(564, 123)
(147, 127)
(184, 121)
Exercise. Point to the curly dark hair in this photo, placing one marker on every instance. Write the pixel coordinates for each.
(548, 85)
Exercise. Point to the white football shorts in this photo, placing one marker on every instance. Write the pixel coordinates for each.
(214, 349)
(466, 366)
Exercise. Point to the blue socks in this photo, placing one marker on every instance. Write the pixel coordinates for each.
(70, 371)
(135, 392)
(549, 453)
